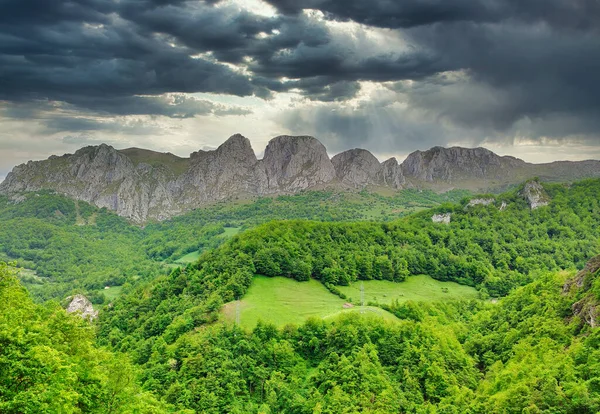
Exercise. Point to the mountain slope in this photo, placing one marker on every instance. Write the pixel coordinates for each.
(144, 185)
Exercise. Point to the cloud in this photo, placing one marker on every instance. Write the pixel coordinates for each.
(412, 13)
(445, 71)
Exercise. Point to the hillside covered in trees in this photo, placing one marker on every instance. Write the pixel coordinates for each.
(534, 348)
(71, 247)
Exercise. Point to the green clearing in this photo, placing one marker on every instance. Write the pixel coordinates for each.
(230, 231)
(419, 288)
(112, 293)
(282, 301)
(193, 256)
(189, 258)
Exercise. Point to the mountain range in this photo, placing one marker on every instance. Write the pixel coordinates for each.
(145, 185)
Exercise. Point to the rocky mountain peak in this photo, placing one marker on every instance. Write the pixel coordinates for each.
(236, 143)
(295, 163)
(454, 164)
(391, 174)
(356, 167)
(143, 185)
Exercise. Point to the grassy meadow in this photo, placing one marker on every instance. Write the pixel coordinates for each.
(421, 288)
(282, 301)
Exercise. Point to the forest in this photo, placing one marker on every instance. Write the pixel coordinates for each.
(66, 247)
(529, 344)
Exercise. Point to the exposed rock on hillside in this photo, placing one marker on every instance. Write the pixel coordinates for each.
(83, 306)
(453, 165)
(232, 169)
(535, 194)
(480, 201)
(441, 218)
(586, 285)
(390, 174)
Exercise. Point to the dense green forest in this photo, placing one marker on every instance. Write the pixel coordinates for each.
(67, 246)
(534, 348)
(526, 353)
(49, 362)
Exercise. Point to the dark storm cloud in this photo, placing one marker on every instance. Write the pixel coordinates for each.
(513, 73)
(411, 13)
(520, 60)
(80, 50)
(523, 61)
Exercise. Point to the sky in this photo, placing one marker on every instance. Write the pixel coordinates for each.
(520, 77)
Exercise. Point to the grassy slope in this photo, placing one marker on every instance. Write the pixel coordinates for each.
(189, 258)
(420, 288)
(282, 301)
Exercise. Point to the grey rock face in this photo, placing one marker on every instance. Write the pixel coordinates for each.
(456, 164)
(441, 218)
(535, 194)
(391, 174)
(481, 201)
(357, 168)
(83, 306)
(143, 185)
(296, 163)
(232, 169)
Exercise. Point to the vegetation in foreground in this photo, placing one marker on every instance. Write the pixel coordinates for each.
(536, 350)
(527, 353)
(49, 362)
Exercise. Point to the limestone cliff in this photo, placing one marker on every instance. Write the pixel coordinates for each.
(585, 286)
(296, 163)
(359, 168)
(145, 185)
(535, 194)
(457, 165)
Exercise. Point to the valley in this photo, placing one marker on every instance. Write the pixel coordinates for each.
(255, 306)
(409, 223)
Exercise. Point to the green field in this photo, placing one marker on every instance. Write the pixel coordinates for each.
(112, 293)
(230, 231)
(420, 288)
(282, 301)
(189, 258)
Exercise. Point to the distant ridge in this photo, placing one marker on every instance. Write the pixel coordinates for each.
(146, 185)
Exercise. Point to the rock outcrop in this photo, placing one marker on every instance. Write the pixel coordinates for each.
(145, 185)
(480, 202)
(456, 165)
(232, 169)
(587, 303)
(296, 163)
(390, 174)
(356, 167)
(359, 168)
(441, 218)
(535, 194)
(81, 305)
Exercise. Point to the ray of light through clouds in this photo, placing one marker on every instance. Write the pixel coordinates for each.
(521, 78)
